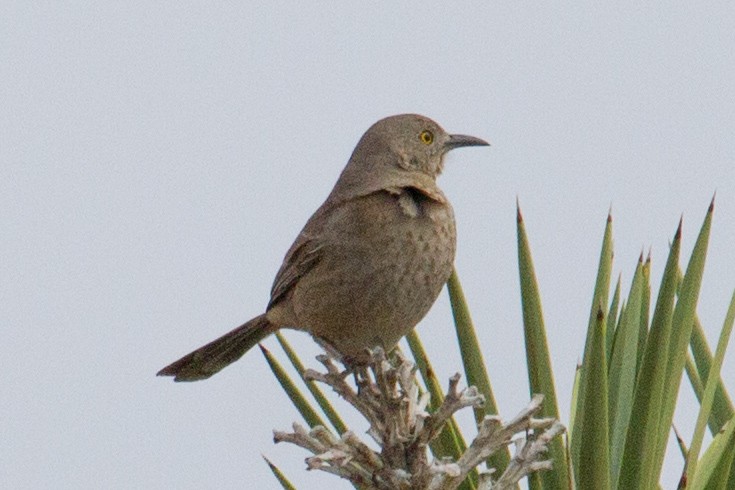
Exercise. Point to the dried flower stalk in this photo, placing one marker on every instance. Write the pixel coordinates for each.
(389, 397)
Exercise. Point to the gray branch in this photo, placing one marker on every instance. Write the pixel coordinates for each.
(389, 398)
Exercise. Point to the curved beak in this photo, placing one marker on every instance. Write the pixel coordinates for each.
(460, 140)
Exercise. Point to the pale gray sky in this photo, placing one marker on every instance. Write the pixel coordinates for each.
(158, 158)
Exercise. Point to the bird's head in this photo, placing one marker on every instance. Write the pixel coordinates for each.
(411, 142)
(399, 151)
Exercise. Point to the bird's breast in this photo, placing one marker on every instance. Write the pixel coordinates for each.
(384, 262)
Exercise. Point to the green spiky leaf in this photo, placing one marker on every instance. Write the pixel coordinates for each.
(311, 417)
(285, 484)
(593, 472)
(709, 391)
(321, 400)
(538, 360)
(638, 464)
(622, 371)
(681, 332)
(600, 297)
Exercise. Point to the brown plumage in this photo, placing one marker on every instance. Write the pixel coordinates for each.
(370, 261)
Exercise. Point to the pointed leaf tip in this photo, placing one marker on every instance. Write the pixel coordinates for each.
(263, 349)
(712, 203)
(519, 216)
(677, 235)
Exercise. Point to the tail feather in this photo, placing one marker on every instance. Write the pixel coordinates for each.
(220, 353)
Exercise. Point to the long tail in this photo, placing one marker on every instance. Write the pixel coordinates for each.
(220, 353)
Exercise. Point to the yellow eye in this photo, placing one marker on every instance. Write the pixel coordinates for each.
(427, 137)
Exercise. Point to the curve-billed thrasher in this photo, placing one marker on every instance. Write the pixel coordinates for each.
(370, 261)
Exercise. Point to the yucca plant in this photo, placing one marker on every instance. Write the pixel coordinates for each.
(625, 391)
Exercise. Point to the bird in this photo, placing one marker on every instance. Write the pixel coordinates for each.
(372, 259)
